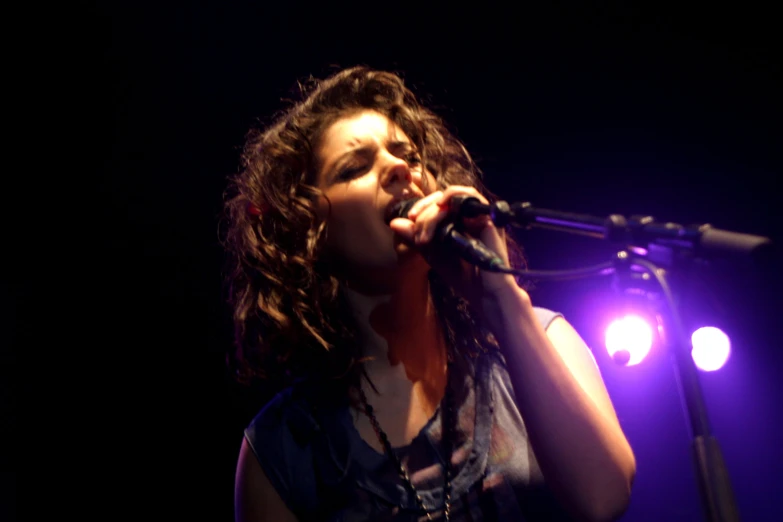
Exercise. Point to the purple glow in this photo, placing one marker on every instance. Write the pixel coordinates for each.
(711, 348)
(628, 340)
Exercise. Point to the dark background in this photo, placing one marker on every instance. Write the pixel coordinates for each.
(597, 109)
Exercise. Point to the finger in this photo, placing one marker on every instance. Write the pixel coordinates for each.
(427, 200)
(472, 225)
(427, 222)
(405, 228)
(461, 190)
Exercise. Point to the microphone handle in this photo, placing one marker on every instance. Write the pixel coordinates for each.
(471, 250)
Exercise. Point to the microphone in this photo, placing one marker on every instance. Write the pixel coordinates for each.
(471, 250)
(459, 206)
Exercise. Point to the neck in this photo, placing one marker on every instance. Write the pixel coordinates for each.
(402, 340)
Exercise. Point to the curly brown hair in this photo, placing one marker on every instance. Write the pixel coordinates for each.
(289, 317)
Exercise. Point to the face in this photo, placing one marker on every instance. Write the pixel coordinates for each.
(365, 164)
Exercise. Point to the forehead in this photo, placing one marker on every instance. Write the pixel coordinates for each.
(359, 128)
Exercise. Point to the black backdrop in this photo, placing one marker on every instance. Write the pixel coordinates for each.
(599, 109)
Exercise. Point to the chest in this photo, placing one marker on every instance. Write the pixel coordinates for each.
(400, 417)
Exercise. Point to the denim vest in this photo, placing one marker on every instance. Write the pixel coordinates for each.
(323, 470)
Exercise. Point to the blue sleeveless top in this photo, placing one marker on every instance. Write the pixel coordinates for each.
(323, 470)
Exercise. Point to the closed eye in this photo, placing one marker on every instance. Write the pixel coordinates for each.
(350, 172)
(413, 159)
(361, 162)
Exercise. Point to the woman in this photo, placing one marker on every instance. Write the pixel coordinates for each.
(417, 387)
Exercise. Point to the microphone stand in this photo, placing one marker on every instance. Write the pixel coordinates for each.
(648, 242)
(715, 490)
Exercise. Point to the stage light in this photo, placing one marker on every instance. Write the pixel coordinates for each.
(628, 340)
(711, 348)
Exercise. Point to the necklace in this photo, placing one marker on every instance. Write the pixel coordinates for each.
(447, 422)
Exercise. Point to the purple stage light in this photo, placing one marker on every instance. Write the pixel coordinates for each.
(628, 340)
(711, 348)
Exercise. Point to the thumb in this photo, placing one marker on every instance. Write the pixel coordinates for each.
(404, 228)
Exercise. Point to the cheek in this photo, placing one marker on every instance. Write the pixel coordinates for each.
(428, 183)
(347, 204)
(354, 221)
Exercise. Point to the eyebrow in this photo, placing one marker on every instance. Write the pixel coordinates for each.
(395, 147)
(400, 146)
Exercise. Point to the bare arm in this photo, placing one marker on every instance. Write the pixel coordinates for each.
(255, 498)
(573, 428)
(574, 432)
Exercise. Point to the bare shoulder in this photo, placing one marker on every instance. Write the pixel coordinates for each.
(255, 498)
(581, 363)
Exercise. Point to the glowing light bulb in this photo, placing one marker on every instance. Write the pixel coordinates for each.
(628, 340)
(711, 348)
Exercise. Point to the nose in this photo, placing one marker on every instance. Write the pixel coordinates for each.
(396, 170)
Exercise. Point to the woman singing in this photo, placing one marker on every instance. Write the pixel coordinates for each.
(414, 385)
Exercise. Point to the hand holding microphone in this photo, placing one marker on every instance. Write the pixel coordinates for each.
(442, 218)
